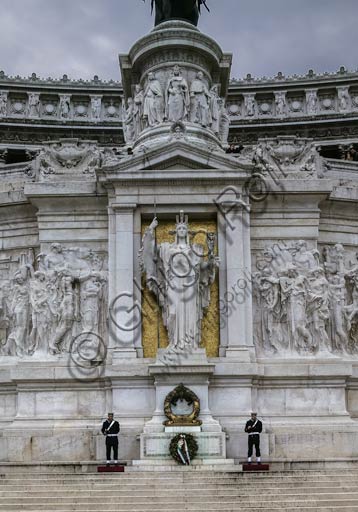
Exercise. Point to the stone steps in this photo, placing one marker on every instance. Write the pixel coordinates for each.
(284, 491)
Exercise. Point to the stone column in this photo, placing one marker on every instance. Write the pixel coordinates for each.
(239, 283)
(125, 314)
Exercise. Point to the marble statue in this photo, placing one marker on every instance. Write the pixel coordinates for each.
(128, 122)
(343, 98)
(312, 102)
(280, 101)
(215, 109)
(33, 108)
(188, 10)
(180, 276)
(177, 97)
(65, 106)
(96, 105)
(250, 105)
(3, 104)
(200, 97)
(153, 111)
(224, 123)
(41, 314)
(138, 101)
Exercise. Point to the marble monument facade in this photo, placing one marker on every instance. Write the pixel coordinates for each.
(80, 219)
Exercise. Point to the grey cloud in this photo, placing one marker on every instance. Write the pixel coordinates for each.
(83, 37)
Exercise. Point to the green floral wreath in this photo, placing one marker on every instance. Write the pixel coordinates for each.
(191, 444)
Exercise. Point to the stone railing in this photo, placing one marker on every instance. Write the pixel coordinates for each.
(92, 101)
(311, 97)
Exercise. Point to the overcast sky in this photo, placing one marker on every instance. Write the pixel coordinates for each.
(83, 37)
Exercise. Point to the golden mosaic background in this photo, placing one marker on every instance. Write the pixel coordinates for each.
(150, 317)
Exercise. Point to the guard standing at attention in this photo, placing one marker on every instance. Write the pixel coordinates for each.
(110, 429)
(254, 428)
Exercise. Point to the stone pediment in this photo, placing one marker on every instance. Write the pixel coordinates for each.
(177, 155)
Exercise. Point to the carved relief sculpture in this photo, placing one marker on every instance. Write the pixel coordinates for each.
(224, 127)
(215, 109)
(177, 97)
(3, 104)
(200, 97)
(65, 106)
(128, 122)
(303, 307)
(153, 112)
(47, 307)
(138, 101)
(312, 102)
(96, 106)
(33, 108)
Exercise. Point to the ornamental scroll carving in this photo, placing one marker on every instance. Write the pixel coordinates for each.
(306, 303)
(51, 299)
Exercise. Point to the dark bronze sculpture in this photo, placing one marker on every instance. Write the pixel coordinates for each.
(187, 10)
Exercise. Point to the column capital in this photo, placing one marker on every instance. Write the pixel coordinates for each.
(123, 207)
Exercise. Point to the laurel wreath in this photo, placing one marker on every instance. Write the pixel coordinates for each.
(191, 443)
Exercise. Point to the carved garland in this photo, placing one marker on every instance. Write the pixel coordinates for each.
(182, 393)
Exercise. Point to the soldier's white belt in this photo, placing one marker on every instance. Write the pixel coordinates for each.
(112, 435)
(254, 433)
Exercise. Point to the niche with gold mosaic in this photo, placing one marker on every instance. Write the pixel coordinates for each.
(154, 333)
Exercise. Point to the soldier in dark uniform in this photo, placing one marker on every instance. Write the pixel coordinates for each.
(254, 428)
(110, 429)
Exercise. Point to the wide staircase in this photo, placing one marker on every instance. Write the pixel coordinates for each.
(326, 490)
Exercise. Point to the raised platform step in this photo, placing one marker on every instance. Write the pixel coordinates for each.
(193, 491)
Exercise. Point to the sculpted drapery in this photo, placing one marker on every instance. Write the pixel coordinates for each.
(180, 276)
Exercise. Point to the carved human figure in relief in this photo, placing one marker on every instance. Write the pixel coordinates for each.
(3, 104)
(250, 105)
(351, 310)
(312, 102)
(199, 104)
(177, 97)
(294, 292)
(153, 112)
(181, 276)
(41, 313)
(34, 105)
(19, 310)
(280, 101)
(337, 302)
(65, 106)
(215, 109)
(128, 122)
(138, 101)
(343, 98)
(304, 259)
(96, 105)
(318, 308)
(224, 122)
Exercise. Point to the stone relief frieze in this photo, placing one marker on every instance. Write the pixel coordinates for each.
(178, 101)
(287, 157)
(67, 157)
(49, 300)
(305, 303)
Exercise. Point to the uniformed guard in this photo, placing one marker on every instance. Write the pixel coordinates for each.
(254, 428)
(110, 429)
